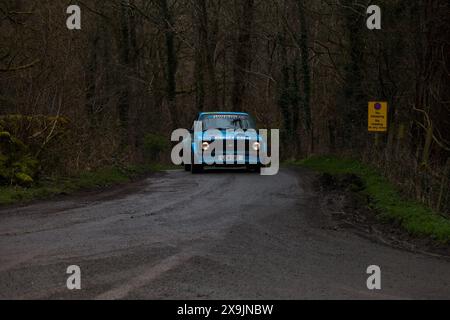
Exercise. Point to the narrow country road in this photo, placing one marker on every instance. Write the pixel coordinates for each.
(218, 235)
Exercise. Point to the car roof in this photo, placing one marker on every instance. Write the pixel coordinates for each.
(227, 113)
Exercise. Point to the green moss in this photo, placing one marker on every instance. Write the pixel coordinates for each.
(23, 179)
(415, 218)
(17, 165)
(5, 135)
(22, 139)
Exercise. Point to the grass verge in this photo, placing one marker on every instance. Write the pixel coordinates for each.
(416, 219)
(49, 187)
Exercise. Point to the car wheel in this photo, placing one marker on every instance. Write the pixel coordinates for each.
(254, 168)
(195, 168)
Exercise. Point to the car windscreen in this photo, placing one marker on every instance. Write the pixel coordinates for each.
(225, 121)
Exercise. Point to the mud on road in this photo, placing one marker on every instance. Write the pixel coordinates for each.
(219, 235)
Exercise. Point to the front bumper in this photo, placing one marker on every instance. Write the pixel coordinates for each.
(234, 161)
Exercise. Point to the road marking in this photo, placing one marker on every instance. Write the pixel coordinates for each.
(147, 276)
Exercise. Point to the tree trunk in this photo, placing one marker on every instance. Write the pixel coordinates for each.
(242, 55)
(171, 61)
(306, 73)
(124, 103)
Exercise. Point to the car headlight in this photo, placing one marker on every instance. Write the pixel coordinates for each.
(256, 146)
(205, 146)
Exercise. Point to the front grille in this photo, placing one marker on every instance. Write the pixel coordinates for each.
(233, 147)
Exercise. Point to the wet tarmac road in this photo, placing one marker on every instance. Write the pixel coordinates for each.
(218, 235)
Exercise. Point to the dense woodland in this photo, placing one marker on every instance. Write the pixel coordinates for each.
(76, 100)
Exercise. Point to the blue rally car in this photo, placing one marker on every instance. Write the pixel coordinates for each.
(225, 139)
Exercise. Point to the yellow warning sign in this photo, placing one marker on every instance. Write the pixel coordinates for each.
(378, 116)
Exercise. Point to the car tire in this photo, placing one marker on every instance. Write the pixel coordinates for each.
(195, 168)
(254, 168)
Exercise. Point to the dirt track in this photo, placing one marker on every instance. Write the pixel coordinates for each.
(219, 235)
